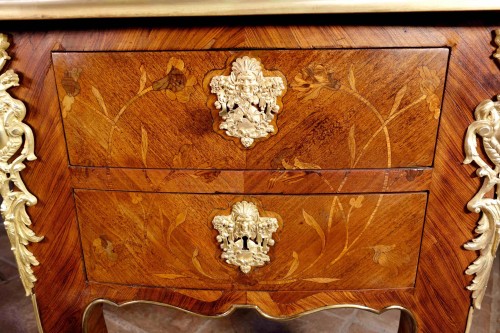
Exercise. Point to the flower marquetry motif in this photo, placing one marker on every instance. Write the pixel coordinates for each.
(245, 236)
(247, 100)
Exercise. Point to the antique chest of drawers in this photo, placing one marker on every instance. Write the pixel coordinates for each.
(210, 165)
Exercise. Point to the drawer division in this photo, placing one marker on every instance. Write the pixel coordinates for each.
(326, 109)
(318, 242)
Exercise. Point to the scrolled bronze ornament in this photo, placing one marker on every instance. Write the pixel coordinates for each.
(247, 100)
(497, 41)
(487, 127)
(245, 236)
(14, 134)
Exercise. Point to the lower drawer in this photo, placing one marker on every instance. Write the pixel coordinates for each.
(321, 241)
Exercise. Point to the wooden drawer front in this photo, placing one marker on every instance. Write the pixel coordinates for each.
(358, 108)
(322, 241)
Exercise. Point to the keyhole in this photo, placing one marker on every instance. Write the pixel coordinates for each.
(245, 245)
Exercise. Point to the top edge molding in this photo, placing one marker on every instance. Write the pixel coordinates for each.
(72, 9)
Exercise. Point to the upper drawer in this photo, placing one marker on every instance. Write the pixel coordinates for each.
(361, 108)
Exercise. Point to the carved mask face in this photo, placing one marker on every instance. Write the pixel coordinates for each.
(247, 85)
(246, 216)
(248, 245)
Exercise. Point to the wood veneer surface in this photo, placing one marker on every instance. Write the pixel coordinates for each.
(322, 242)
(340, 109)
(439, 300)
(255, 181)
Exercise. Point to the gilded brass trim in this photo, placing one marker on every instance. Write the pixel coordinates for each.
(245, 236)
(247, 100)
(37, 313)
(497, 41)
(468, 327)
(486, 126)
(14, 134)
(235, 307)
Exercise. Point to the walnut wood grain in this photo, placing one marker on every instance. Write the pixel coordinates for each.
(238, 181)
(439, 300)
(341, 109)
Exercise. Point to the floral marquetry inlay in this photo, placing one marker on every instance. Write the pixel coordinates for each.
(177, 83)
(247, 100)
(312, 79)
